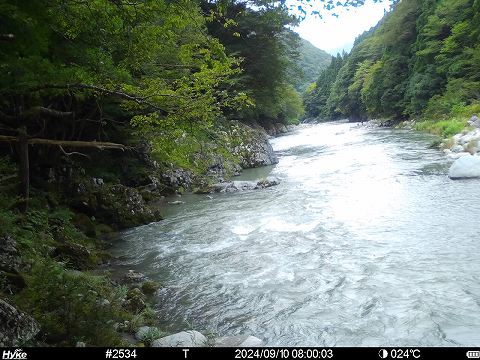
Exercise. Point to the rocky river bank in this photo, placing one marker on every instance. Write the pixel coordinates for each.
(98, 202)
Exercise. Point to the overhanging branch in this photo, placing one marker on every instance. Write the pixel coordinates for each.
(47, 111)
(116, 93)
(76, 144)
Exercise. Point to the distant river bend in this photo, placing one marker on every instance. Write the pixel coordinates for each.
(365, 242)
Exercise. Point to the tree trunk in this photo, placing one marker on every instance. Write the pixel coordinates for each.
(24, 170)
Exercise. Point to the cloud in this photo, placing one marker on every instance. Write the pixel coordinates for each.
(336, 33)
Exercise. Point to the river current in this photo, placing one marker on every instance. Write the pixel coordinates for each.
(365, 242)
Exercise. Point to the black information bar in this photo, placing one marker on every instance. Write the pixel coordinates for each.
(88, 353)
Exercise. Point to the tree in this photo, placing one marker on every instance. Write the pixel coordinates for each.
(72, 69)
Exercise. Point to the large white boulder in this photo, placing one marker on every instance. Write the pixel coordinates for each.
(182, 339)
(239, 341)
(465, 167)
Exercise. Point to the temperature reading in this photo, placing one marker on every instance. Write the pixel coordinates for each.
(399, 353)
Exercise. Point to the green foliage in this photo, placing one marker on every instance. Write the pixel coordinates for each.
(443, 128)
(448, 125)
(422, 59)
(196, 149)
(312, 61)
(317, 95)
(259, 35)
(152, 60)
(72, 306)
(290, 105)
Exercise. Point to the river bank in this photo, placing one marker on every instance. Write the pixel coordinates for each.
(74, 214)
(376, 246)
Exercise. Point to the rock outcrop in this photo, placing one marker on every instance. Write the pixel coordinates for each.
(10, 260)
(256, 150)
(117, 205)
(16, 327)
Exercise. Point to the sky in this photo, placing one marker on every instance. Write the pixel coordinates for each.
(334, 34)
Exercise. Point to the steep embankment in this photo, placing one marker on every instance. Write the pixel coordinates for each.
(49, 256)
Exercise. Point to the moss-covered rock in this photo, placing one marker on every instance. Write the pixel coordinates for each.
(136, 300)
(117, 205)
(76, 255)
(150, 287)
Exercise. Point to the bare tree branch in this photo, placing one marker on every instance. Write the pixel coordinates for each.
(95, 144)
(117, 93)
(73, 153)
(4, 138)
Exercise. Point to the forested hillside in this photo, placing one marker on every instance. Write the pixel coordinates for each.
(421, 61)
(311, 62)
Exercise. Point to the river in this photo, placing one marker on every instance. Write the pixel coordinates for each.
(365, 242)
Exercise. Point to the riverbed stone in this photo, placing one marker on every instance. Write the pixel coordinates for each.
(182, 339)
(267, 182)
(234, 186)
(239, 341)
(458, 155)
(457, 149)
(465, 167)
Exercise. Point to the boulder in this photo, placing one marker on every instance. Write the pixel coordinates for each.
(133, 276)
(465, 139)
(182, 339)
(280, 128)
(239, 341)
(176, 178)
(467, 166)
(16, 327)
(77, 256)
(457, 149)
(116, 205)
(136, 300)
(474, 121)
(458, 155)
(266, 183)
(259, 153)
(255, 150)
